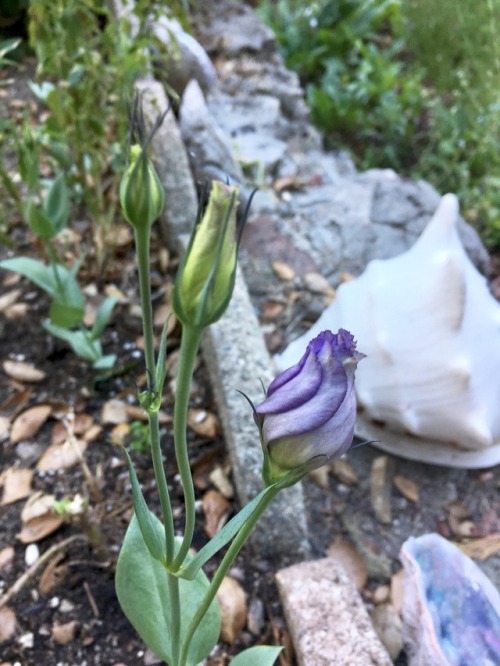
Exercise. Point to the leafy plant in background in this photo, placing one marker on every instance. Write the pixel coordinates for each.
(306, 420)
(47, 215)
(408, 84)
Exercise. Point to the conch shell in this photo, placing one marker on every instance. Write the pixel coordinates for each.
(429, 388)
(451, 610)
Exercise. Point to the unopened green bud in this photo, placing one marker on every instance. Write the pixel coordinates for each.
(142, 197)
(205, 280)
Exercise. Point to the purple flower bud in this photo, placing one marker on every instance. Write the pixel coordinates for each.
(310, 409)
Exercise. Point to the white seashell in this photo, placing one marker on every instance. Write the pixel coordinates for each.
(429, 388)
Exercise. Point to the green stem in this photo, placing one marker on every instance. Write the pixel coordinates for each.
(142, 248)
(191, 337)
(175, 621)
(225, 565)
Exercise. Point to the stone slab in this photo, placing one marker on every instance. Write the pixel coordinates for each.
(326, 617)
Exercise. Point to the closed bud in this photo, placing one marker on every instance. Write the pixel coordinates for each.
(142, 197)
(205, 280)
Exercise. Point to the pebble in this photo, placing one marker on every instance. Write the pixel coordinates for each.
(31, 554)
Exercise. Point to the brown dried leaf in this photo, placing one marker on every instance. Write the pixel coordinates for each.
(271, 310)
(380, 488)
(64, 633)
(114, 411)
(216, 510)
(408, 488)
(53, 575)
(62, 456)
(137, 413)
(163, 313)
(38, 528)
(8, 623)
(17, 311)
(8, 299)
(347, 555)
(233, 609)
(16, 484)
(7, 557)
(397, 590)
(221, 481)
(458, 510)
(119, 434)
(463, 528)
(76, 426)
(320, 476)
(203, 423)
(318, 284)
(28, 423)
(481, 549)
(344, 472)
(37, 505)
(283, 271)
(23, 372)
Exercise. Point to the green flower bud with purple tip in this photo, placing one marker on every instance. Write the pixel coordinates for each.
(308, 416)
(142, 196)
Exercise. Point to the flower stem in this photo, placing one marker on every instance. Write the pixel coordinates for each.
(175, 620)
(225, 565)
(142, 248)
(191, 337)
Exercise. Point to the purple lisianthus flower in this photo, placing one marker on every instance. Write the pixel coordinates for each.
(310, 409)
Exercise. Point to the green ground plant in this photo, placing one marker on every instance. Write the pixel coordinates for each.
(407, 84)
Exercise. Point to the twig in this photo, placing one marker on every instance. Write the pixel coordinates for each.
(91, 599)
(34, 568)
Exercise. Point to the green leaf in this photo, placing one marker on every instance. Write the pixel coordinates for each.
(141, 587)
(56, 203)
(161, 369)
(105, 362)
(34, 270)
(102, 316)
(64, 315)
(39, 223)
(190, 570)
(155, 542)
(260, 655)
(79, 342)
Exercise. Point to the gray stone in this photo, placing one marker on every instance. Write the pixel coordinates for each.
(170, 158)
(208, 146)
(326, 617)
(237, 360)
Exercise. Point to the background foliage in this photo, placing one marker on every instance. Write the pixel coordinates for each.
(408, 84)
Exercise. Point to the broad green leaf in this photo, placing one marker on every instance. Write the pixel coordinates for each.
(260, 655)
(102, 316)
(155, 542)
(78, 340)
(36, 271)
(105, 362)
(39, 223)
(190, 570)
(56, 204)
(141, 587)
(64, 315)
(42, 90)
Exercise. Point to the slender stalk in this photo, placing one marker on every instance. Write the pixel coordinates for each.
(175, 624)
(225, 565)
(142, 248)
(190, 343)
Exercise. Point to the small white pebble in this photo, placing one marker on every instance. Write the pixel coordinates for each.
(26, 640)
(54, 602)
(66, 606)
(31, 554)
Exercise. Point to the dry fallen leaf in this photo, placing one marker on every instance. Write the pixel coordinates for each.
(37, 505)
(23, 372)
(29, 422)
(271, 310)
(388, 627)
(347, 555)
(318, 284)
(408, 488)
(77, 426)
(53, 575)
(137, 413)
(7, 557)
(221, 481)
(38, 528)
(8, 623)
(62, 456)
(344, 472)
(114, 411)
(119, 434)
(283, 271)
(203, 423)
(233, 609)
(481, 549)
(216, 510)
(64, 633)
(8, 299)
(397, 590)
(16, 483)
(320, 476)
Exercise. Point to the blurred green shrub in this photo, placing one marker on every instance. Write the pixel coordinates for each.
(408, 84)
